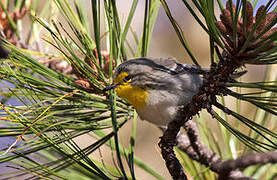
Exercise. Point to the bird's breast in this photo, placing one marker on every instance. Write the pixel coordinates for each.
(134, 95)
(160, 108)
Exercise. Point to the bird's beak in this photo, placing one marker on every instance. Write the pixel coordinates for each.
(112, 86)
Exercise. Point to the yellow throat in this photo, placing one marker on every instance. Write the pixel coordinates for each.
(134, 95)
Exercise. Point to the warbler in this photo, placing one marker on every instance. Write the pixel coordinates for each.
(156, 87)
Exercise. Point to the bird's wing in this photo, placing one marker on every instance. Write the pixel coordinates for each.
(175, 67)
(178, 68)
(169, 63)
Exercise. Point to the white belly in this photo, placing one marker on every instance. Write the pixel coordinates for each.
(160, 109)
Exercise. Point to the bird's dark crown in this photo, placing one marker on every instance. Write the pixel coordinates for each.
(140, 64)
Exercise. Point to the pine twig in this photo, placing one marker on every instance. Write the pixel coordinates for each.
(237, 52)
(213, 85)
(191, 144)
(167, 142)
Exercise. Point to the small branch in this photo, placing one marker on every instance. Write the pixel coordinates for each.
(227, 169)
(249, 160)
(191, 144)
(212, 86)
(204, 154)
(167, 142)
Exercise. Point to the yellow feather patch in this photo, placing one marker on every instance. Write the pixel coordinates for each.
(134, 95)
(120, 77)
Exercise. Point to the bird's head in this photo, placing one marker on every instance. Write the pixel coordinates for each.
(133, 78)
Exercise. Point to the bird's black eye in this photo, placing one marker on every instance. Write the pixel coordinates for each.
(127, 78)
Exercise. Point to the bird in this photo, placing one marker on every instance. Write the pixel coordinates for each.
(156, 87)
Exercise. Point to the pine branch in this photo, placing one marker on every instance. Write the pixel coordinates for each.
(191, 144)
(237, 36)
(202, 100)
(227, 169)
